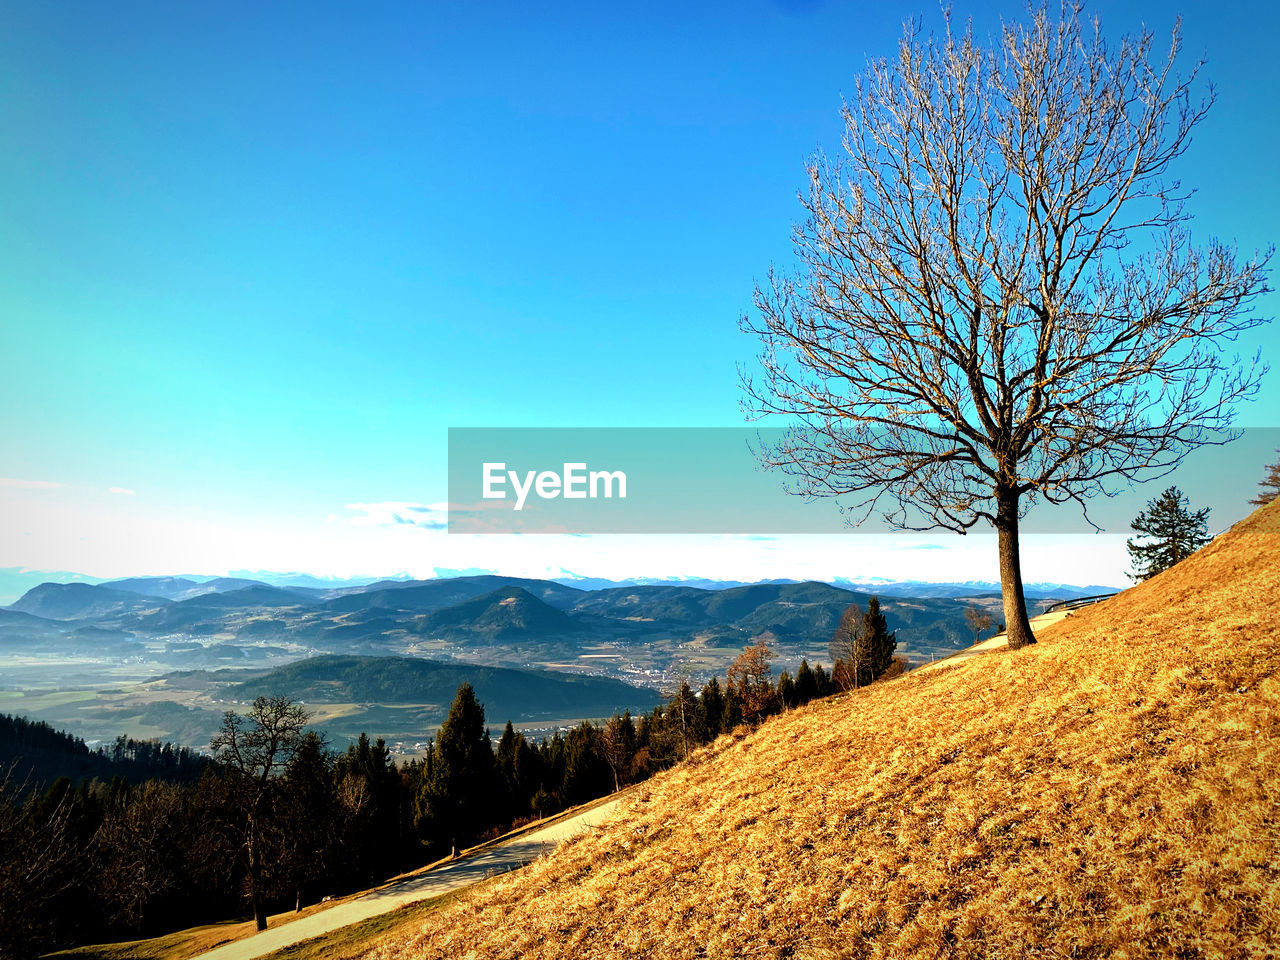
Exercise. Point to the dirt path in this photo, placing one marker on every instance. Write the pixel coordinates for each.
(499, 858)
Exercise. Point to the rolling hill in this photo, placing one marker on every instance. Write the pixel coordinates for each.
(508, 613)
(1113, 790)
(506, 694)
(79, 601)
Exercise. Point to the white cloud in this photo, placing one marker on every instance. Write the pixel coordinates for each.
(125, 491)
(392, 513)
(10, 483)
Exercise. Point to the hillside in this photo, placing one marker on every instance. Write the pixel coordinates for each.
(507, 694)
(75, 601)
(33, 755)
(1110, 791)
(508, 613)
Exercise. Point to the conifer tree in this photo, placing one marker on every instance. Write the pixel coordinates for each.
(455, 802)
(732, 709)
(787, 689)
(711, 704)
(823, 682)
(308, 815)
(806, 683)
(1269, 485)
(1169, 532)
(880, 642)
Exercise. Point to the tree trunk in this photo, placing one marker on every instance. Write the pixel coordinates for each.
(255, 886)
(1016, 625)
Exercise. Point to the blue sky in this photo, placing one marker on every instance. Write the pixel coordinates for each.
(258, 258)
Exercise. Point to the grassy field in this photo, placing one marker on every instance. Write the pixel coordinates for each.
(1113, 791)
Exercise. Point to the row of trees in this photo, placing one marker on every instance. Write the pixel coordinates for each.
(279, 820)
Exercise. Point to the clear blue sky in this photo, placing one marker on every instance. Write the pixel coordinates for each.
(257, 258)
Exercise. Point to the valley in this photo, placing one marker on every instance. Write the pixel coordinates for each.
(164, 657)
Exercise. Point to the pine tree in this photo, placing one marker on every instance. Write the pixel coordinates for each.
(880, 643)
(308, 815)
(787, 689)
(455, 803)
(508, 746)
(711, 705)
(1169, 533)
(732, 715)
(806, 683)
(1270, 485)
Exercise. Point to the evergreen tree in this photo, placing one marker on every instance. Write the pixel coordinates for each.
(1169, 532)
(309, 815)
(529, 774)
(787, 690)
(586, 773)
(732, 709)
(1269, 485)
(684, 720)
(880, 642)
(806, 683)
(823, 682)
(455, 802)
(711, 703)
(508, 748)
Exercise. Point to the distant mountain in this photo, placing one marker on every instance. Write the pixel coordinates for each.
(698, 583)
(508, 613)
(78, 601)
(971, 588)
(506, 693)
(15, 581)
(23, 630)
(327, 585)
(206, 614)
(425, 596)
(171, 588)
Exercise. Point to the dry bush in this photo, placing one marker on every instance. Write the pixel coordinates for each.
(1111, 791)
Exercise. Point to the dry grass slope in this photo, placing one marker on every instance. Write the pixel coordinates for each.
(1112, 791)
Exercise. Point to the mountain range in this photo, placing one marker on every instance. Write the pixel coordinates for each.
(644, 632)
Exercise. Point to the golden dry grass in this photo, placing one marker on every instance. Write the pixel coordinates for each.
(1112, 791)
(189, 942)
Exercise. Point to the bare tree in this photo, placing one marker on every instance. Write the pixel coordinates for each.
(979, 620)
(846, 648)
(39, 861)
(140, 849)
(618, 746)
(255, 748)
(996, 301)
